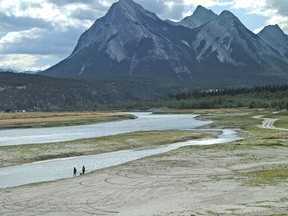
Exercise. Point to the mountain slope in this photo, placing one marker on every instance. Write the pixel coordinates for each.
(228, 41)
(275, 37)
(200, 17)
(131, 41)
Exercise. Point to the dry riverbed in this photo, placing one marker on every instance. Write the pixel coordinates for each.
(219, 180)
(248, 177)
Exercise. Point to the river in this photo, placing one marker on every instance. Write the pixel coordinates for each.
(62, 168)
(144, 122)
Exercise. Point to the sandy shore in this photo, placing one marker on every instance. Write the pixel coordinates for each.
(189, 181)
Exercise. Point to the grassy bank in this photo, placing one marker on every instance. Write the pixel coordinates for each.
(12, 155)
(282, 117)
(267, 176)
(254, 139)
(53, 119)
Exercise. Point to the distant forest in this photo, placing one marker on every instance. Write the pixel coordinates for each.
(270, 96)
(40, 93)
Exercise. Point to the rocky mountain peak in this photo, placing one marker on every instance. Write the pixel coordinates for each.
(130, 10)
(276, 38)
(228, 16)
(272, 30)
(200, 17)
(201, 11)
(231, 23)
(122, 19)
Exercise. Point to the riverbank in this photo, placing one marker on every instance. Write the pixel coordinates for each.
(247, 177)
(56, 119)
(20, 154)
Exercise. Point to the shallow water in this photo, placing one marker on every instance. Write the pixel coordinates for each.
(144, 122)
(63, 168)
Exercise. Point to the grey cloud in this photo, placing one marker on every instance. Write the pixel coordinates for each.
(94, 12)
(12, 23)
(152, 5)
(162, 10)
(280, 5)
(176, 13)
(94, 9)
(84, 14)
(24, 6)
(282, 10)
(66, 2)
(48, 42)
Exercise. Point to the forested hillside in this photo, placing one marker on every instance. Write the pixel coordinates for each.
(35, 92)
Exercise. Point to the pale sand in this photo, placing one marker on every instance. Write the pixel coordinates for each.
(189, 181)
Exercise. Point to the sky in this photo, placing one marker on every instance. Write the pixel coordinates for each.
(36, 34)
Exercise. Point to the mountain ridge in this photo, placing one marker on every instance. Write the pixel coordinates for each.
(200, 16)
(275, 37)
(130, 40)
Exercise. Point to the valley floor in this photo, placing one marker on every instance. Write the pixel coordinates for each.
(241, 178)
(189, 181)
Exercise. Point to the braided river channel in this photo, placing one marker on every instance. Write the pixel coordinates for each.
(62, 168)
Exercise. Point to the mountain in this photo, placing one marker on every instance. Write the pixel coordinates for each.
(200, 17)
(131, 41)
(275, 37)
(227, 41)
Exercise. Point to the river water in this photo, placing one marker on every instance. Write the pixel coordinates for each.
(144, 122)
(63, 168)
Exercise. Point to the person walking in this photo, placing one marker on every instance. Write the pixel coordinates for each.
(83, 169)
(74, 171)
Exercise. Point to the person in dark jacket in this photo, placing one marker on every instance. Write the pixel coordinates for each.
(83, 169)
(74, 171)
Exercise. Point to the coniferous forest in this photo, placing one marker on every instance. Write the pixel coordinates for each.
(39, 93)
(270, 96)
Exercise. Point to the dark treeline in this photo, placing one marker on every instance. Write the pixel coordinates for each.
(259, 91)
(270, 96)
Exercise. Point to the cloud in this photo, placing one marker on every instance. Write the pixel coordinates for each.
(12, 23)
(207, 3)
(165, 9)
(280, 5)
(67, 2)
(276, 11)
(28, 62)
(39, 42)
(35, 29)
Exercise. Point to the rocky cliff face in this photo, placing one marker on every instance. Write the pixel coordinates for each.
(226, 40)
(200, 17)
(130, 40)
(276, 38)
